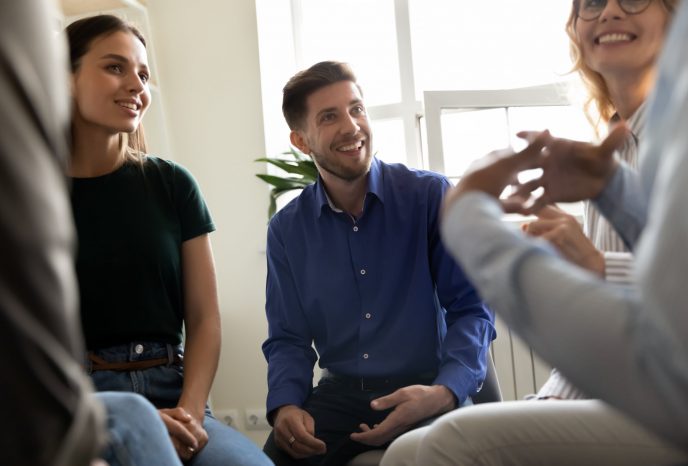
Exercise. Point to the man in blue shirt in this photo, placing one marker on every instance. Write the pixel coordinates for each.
(356, 267)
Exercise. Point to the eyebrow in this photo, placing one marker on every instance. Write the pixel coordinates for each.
(120, 58)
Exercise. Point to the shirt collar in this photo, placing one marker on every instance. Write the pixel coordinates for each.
(636, 123)
(375, 187)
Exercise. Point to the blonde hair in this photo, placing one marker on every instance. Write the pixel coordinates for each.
(598, 107)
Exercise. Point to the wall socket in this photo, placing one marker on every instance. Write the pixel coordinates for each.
(256, 420)
(229, 417)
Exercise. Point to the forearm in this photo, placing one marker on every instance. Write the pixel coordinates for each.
(290, 372)
(464, 356)
(564, 313)
(201, 356)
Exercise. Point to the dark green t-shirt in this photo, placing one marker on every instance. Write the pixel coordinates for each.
(131, 224)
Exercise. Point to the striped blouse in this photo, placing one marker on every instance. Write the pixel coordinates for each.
(618, 260)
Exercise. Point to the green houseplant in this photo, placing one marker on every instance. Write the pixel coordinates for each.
(300, 172)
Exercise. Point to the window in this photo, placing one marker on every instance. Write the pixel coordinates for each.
(402, 49)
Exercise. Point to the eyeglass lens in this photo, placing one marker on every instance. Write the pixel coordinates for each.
(592, 9)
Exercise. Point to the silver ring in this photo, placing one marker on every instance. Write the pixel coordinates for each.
(291, 440)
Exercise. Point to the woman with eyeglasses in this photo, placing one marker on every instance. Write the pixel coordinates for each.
(614, 47)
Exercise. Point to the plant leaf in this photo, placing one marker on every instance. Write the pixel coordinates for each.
(306, 169)
(283, 182)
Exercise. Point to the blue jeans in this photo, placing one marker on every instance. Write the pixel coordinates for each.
(136, 434)
(162, 386)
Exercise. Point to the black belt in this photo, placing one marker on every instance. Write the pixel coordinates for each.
(373, 384)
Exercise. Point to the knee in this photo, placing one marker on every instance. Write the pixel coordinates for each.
(402, 451)
(126, 404)
(451, 440)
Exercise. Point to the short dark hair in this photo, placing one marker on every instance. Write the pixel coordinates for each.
(305, 82)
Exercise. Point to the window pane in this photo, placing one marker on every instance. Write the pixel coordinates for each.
(468, 135)
(360, 32)
(388, 140)
(562, 121)
(488, 44)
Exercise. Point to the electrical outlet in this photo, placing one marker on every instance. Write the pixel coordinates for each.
(256, 420)
(228, 416)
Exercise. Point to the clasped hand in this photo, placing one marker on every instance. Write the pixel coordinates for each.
(571, 171)
(186, 432)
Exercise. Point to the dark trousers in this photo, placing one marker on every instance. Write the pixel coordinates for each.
(338, 409)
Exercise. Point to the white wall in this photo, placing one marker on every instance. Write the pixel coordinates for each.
(207, 54)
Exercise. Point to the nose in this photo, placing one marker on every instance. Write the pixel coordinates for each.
(612, 10)
(135, 84)
(351, 125)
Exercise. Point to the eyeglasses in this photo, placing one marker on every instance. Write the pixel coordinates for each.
(589, 10)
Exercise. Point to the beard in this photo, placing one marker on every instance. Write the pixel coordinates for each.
(334, 167)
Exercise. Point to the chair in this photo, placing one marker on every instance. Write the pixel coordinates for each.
(489, 393)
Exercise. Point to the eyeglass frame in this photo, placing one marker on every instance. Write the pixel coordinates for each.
(578, 4)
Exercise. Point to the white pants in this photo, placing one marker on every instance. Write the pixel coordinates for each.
(568, 432)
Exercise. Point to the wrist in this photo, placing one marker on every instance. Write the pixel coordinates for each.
(194, 410)
(596, 263)
(446, 399)
(281, 411)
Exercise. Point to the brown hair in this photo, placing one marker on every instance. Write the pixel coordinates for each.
(304, 83)
(80, 35)
(598, 100)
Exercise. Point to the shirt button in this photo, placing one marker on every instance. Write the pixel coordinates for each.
(368, 316)
(363, 272)
(355, 228)
(138, 349)
(365, 355)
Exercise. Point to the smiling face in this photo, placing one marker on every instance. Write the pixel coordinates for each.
(110, 85)
(619, 43)
(336, 132)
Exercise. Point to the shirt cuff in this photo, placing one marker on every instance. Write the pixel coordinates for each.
(619, 268)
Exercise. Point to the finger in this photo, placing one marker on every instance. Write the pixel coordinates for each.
(531, 156)
(308, 447)
(380, 435)
(304, 441)
(514, 204)
(365, 427)
(178, 413)
(309, 424)
(539, 227)
(539, 203)
(179, 431)
(182, 450)
(528, 136)
(388, 401)
(551, 212)
(524, 190)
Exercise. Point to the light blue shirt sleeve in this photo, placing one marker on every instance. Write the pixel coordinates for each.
(624, 203)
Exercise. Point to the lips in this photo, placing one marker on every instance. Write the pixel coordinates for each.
(353, 146)
(614, 38)
(129, 104)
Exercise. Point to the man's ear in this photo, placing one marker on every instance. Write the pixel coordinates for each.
(298, 141)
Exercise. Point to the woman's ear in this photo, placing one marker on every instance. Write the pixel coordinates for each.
(297, 140)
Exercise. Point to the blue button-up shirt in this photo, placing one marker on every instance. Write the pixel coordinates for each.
(378, 296)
